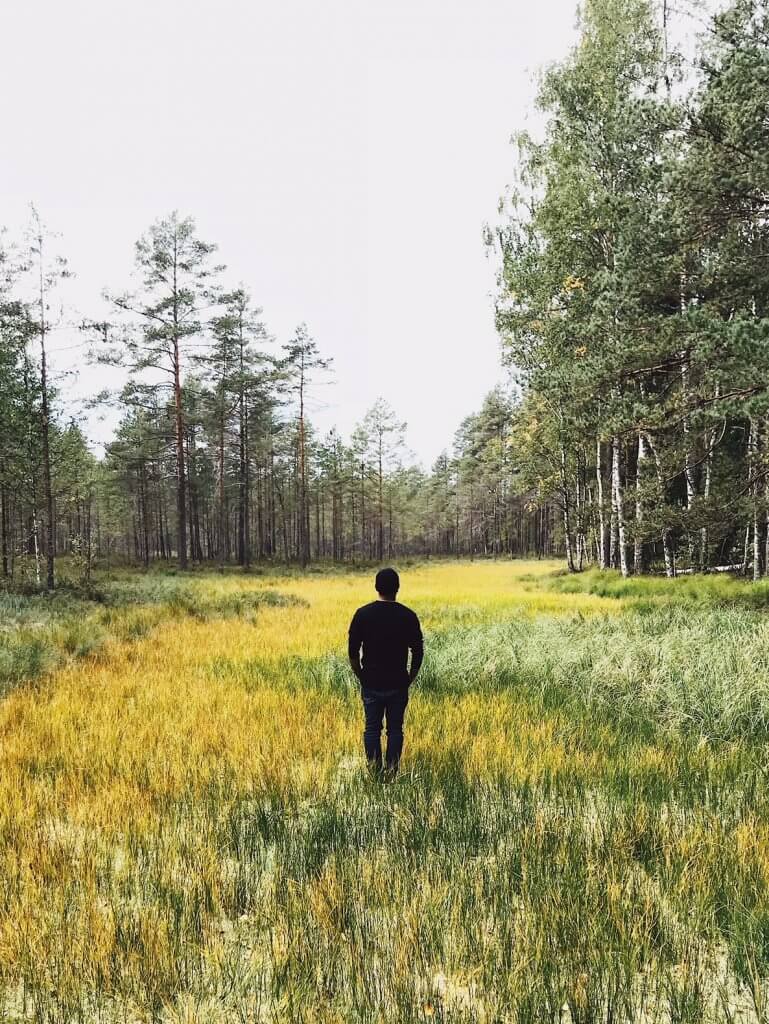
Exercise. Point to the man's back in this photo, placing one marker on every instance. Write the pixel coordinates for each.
(386, 630)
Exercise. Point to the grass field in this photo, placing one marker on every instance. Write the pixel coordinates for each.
(580, 830)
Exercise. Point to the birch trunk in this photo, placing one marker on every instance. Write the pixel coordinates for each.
(704, 538)
(639, 511)
(601, 506)
(752, 470)
(667, 537)
(36, 543)
(566, 513)
(745, 549)
(618, 503)
(688, 463)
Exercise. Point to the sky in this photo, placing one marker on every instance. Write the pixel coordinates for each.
(344, 156)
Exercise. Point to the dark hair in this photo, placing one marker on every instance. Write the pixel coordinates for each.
(387, 582)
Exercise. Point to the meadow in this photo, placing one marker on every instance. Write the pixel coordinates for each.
(579, 832)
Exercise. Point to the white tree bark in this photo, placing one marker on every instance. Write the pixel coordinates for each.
(754, 491)
(618, 503)
(704, 541)
(639, 512)
(688, 461)
(667, 540)
(601, 508)
(766, 516)
(566, 512)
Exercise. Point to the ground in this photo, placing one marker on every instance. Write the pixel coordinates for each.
(578, 833)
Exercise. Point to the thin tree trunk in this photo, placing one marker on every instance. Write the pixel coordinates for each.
(380, 535)
(745, 550)
(286, 554)
(45, 425)
(688, 462)
(753, 459)
(4, 527)
(362, 511)
(143, 517)
(88, 543)
(618, 503)
(304, 532)
(161, 534)
(181, 480)
(667, 538)
(766, 526)
(566, 513)
(704, 540)
(36, 544)
(247, 492)
(220, 468)
(639, 511)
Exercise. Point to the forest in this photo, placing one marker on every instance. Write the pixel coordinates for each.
(215, 459)
(633, 432)
(634, 290)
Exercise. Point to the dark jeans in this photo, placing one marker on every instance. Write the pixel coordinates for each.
(378, 704)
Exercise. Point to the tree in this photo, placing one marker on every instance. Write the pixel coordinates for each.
(589, 257)
(302, 361)
(239, 374)
(382, 437)
(44, 272)
(176, 280)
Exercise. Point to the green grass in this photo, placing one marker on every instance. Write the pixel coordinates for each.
(711, 590)
(40, 632)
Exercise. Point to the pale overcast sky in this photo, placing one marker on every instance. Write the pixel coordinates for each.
(343, 154)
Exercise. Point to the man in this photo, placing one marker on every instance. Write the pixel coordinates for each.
(386, 630)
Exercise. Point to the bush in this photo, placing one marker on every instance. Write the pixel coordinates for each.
(23, 658)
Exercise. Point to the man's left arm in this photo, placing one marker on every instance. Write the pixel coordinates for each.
(354, 641)
(417, 649)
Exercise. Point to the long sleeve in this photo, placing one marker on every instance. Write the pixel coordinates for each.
(354, 640)
(417, 646)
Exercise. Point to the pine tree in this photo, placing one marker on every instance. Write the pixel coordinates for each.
(160, 319)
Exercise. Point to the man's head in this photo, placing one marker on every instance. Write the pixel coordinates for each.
(387, 584)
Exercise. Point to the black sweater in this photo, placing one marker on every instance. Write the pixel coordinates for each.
(386, 630)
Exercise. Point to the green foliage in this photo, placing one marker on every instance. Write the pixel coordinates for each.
(634, 290)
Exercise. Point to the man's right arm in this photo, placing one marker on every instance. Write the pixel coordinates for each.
(354, 640)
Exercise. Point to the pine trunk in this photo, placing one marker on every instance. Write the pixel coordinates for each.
(50, 552)
(181, 479)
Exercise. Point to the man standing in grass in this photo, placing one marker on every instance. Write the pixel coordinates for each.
(386, 631)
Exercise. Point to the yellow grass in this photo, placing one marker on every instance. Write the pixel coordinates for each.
(125, 779)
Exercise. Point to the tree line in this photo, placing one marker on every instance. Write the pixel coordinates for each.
(634, 292)
(632, 312)
(215, 459)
